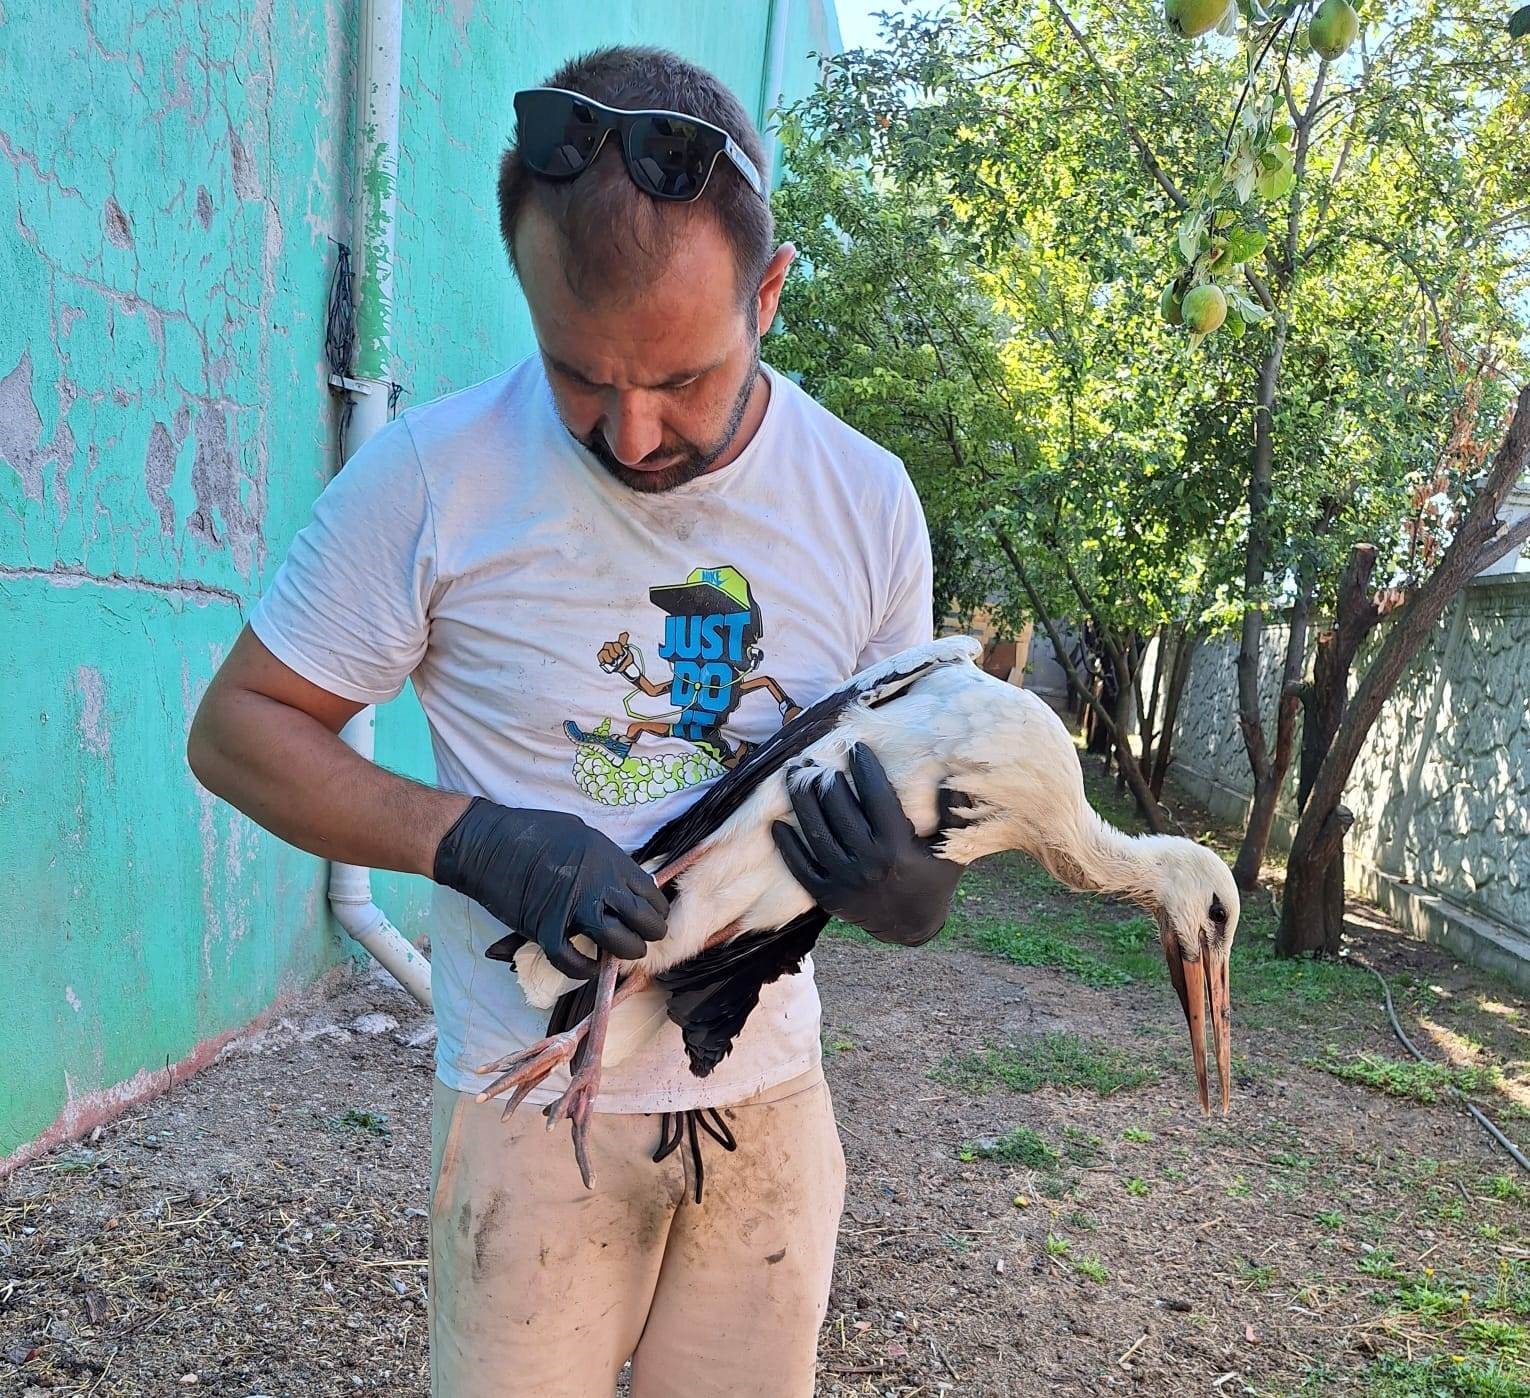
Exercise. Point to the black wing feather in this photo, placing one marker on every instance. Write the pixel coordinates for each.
(712, 995)
(682, 834)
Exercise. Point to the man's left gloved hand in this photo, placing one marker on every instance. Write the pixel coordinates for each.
(861, 859)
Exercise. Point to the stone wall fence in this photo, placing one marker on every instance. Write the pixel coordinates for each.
(1441, 793)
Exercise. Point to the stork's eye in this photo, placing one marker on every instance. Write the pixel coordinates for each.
(1218, 912)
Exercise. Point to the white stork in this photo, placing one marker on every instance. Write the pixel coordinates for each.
(738, 919)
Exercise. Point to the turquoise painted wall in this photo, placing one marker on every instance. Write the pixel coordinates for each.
(170, 181)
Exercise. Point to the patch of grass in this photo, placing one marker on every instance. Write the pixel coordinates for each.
(364, 1123)
(1079, 1219)
(1047, 1060)
(1137, 1187)
(1451, 1209)
(848, 932)
(1136, 1135)
(1503, 1338)
(1258, 1278)
(1092, 1268)
(1379, 1263)
(1081, 1147)
(1290, 1160)
(1018, 1146)
(1506, 1187)
(1427, 1299)
(1058, 1247)
(1415, 1081)
(1041, 946)
(1331, 1219)
(1440, 1377)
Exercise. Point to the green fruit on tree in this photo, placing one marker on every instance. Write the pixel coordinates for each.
(1333, 29)
(1204, 308)
(1192, 18)
(1169, 306)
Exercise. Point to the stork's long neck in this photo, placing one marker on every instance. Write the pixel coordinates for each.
(1091, 855)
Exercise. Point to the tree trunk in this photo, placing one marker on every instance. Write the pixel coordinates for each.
(1327, 699)
(1157, 818)
(1307, 909)
(1270, 772)
(1256, 566)
(1148, 717)
(1108, 695)
(1313, 878)
(1184, 654)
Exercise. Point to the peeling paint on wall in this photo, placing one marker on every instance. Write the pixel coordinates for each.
(21, 430)
(93, 730)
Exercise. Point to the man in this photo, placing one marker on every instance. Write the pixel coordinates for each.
(486, 546)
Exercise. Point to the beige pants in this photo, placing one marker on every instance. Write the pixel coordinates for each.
(542, 1289)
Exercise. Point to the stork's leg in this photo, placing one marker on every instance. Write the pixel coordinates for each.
(521, 1072)
(578, 1099)
(528, 1066)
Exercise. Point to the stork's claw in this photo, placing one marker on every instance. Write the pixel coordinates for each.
(577, 1103)
(525, 1069)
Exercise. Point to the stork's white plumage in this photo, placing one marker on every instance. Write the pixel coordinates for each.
(934, 720)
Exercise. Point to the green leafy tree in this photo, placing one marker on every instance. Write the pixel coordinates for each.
(1075, 184)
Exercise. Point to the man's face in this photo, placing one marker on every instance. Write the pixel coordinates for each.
(656, 386)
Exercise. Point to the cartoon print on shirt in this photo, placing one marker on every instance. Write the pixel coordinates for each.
(712, 630)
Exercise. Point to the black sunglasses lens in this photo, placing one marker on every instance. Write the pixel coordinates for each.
(670, 157)
(557, 135)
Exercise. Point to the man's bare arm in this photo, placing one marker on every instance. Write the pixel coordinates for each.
(266, 741)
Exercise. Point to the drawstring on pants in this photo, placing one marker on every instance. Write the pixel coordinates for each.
(678, 1126)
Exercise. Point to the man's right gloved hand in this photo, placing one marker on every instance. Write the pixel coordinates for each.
(550, 877)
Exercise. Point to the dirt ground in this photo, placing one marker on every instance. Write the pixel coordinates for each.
(1035, 1205)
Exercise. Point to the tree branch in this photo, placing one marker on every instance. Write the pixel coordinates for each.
(1480, 536)
(1143, 149)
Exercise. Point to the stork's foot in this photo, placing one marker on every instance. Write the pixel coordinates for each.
(522, 1072)
(577, 1104)
(579, 1100)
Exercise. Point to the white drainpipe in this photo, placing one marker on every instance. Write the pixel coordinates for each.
(379, 52)
(350, 895)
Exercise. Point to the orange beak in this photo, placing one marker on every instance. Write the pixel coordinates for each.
(1201, 982)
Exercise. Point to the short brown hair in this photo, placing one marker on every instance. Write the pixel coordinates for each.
(612, 232)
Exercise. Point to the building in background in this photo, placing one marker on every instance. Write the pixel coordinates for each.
(174, 188)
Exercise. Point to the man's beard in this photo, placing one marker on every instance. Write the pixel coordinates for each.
(692, 460)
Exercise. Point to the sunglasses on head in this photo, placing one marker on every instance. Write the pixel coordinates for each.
(667, 154)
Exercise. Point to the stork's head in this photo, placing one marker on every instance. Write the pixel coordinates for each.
(1196, 903)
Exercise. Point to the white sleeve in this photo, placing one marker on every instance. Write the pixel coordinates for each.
(907, 616)
(348, 608)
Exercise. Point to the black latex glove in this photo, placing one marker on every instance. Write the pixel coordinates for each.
(860, 858)
(550, 877)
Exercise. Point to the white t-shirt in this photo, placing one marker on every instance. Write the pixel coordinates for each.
(473, 547)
